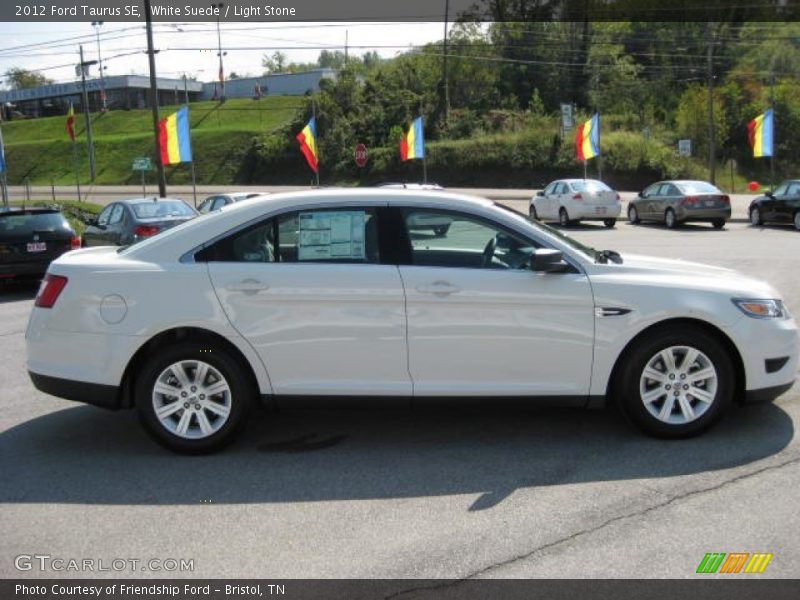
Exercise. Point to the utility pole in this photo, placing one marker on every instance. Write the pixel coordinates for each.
(87, 117)
(711, 149)
(3, 166)
(104, 108)
(162, 180)
(444, 65)
(772, 106)
(220, 54)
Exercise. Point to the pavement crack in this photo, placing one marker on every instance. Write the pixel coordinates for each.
(598, 527)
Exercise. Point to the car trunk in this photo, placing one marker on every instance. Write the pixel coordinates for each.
(27, 238)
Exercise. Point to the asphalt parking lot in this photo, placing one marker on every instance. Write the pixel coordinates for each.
(447, 493)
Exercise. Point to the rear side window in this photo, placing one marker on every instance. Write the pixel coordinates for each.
(30, 222)
(336, 236)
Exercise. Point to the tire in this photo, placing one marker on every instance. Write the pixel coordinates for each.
(718, 223)
(670, 220)
(755, 217)
(532, 212)
(441, 230)
(633, 215)
(796, 220)
(652, 405)
(563, 217)
(609, 223)
(224, 413)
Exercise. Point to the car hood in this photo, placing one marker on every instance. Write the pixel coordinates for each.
(674, 273)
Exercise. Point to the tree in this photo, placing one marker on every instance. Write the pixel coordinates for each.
(19, 79)
(275, 63)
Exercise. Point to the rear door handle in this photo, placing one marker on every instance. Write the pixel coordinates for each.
(248, 286)
(438, 288)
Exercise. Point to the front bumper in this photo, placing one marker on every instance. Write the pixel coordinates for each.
(766, 394)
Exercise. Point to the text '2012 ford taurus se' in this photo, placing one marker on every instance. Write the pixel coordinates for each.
(295, 298)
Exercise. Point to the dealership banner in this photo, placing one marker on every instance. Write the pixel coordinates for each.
(407, 10)
(713, 588)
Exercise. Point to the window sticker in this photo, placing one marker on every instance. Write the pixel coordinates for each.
(331, 235)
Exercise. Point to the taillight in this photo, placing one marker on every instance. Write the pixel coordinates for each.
(689, 200)
(618, 196)
(52, 286)
(725, 199)
(75, 242)
(578, 196)
(145, 230)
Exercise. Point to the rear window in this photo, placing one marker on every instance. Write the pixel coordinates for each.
(29, 222)
(590, 186)
(697, 187)
(161, 208)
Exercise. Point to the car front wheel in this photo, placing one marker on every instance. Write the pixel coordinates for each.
(755, 217)
(670, 220)
(797, 220)
(609, 223)
(193, 398)
(676, 382)
(633, 215)
(563, 217)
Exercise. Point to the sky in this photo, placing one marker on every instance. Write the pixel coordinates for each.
(191, 48)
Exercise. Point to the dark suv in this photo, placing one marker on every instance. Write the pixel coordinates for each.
(30, 238)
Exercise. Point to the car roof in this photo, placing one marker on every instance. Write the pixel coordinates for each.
(411, 186)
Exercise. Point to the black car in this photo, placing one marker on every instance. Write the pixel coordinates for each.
(30, 238)
(127, 221)
(780, 206)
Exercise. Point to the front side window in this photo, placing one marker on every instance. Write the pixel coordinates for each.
(116, 215)
(781, 189)
(469, 242)
(105, 214)
(339, 236)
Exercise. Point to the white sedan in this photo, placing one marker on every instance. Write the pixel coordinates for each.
(568, 201)
(293, 299)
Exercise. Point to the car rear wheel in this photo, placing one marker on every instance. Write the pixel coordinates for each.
(755, 217)
(718, 223)
(609, 223)
(633, 215)
(676, 382)
(193, 398)
(670, 220)
(563, 217)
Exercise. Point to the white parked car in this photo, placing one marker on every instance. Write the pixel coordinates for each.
(569, 201)
(291, 298)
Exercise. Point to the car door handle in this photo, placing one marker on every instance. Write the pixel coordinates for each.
(251, 286)
(438, 288)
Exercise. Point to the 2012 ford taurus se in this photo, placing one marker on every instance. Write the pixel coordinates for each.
(316, 296)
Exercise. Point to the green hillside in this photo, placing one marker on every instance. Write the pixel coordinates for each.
(39, 149)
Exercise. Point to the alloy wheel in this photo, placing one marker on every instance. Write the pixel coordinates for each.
(191, 399)
(678, 385)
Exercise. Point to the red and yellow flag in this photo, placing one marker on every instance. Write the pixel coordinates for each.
(308, 144)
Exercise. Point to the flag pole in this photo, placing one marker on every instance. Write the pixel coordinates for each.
(76, 164)
(772, 107)
(584, 170)
(3, 180)
(424, 154)
(189, 124)
(316, 141)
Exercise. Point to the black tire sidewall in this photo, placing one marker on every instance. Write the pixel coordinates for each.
(627, 384)
(633, 215)
(240, 386)
(563, 217)
(674, 219)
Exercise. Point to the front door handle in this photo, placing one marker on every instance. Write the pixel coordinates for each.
(439, 288)
(248, 286)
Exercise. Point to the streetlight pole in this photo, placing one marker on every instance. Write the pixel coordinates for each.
(104, 108)
(162, 179)
(220, 54)
(87, 117)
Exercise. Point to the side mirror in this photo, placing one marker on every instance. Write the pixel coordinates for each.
(540, 193)
(770, 194)
(640, 194)
(547, 260)
(92, 222)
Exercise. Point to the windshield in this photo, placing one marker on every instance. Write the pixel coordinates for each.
(590, 185)
(161, 208)
(587, 251)
(697, 187)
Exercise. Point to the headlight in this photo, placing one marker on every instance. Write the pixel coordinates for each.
(761, 309)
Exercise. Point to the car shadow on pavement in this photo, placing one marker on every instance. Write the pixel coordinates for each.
(686, 227)
(89, 456)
